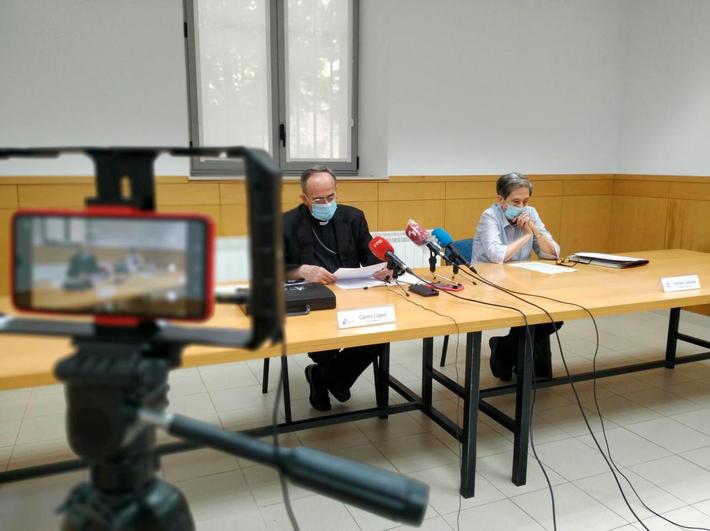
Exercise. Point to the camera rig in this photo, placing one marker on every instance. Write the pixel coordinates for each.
(116, 380)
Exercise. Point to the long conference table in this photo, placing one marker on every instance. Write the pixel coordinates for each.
(29, 361)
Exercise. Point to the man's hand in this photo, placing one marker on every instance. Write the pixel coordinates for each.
(383, 274)
(313, 273)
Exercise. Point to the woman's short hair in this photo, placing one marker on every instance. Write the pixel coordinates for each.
(315, 169)
(512, 181)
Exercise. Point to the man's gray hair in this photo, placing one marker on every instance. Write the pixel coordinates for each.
(512, 181)
(315, 169)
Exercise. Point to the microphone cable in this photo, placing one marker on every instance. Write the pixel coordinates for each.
(610, 461)
(532, 404)
(275, 433)
(407, 298)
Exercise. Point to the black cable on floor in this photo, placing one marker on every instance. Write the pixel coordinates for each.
(275, 432)
(515, 294)
(532, 404)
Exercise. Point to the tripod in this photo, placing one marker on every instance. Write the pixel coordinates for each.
(108, 379)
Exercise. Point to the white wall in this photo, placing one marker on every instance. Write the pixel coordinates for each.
(91, 72)
(665, 127)
(490, 86)
(446, 87)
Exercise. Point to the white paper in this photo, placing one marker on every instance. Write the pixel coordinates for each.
(350, 273)
(610, 257)
(359, 283)
(543, 268)
(229, 289)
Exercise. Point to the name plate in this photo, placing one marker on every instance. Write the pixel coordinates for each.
(685, 282)
(366, 316)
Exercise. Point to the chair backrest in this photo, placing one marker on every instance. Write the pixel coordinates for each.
(465, 248)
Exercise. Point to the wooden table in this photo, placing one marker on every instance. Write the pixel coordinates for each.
(25, 362)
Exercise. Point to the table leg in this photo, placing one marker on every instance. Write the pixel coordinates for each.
(523, 399)
(470, 414)
(383, 377)
(672, 342)
(427, 362)
(286, 389)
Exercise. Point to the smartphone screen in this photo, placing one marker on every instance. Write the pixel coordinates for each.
(153, 266)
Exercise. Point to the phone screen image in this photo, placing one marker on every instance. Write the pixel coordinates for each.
(146, 267)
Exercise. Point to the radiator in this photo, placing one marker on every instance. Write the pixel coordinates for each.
(232, 261)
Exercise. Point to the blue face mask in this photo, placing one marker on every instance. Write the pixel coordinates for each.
(324, 212)
(512, 212)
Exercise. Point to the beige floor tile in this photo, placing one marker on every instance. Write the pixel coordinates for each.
(670, 434)
(574, 509)
(699, 420)
(570, 420)
(700, 457)
(445, 482)
(40, 453)
(219, 495)
(681, 478)
(416, 452)
(392, 427)
(686, 516)
(334, 437)
(434, 523)
(604, 489)
(497, 469)
(622, 411)
(8, 431)
(239, 398)
(503, 514)
(197, 405)
(662, 401)
(36, 429)
(571, 458)
(197, 463)
(13, 403)
(229, 375)
(330, 514)
(5, 453)
(627, 448)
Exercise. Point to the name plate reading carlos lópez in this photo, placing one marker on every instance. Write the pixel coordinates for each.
(366, 316)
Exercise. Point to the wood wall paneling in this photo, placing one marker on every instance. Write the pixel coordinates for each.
(60, 196)
(394, 215)
(411, 191)
(211, 211)
(585, 224)
(550, 210)
(233, 220)
(232, 193)
(8, 196)
(462, 215)
(690, 190)
(688, 225)
(468, 190)
(637, 224)
(595, 187)
(187, 194)
(636, 188)
(371, 213)
(5, 251)
(349, 192)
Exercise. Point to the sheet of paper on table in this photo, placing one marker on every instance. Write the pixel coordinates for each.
(543, 268)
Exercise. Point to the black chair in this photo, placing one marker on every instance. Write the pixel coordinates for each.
(465, 249)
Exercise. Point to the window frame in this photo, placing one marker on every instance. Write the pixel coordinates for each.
(276, 52)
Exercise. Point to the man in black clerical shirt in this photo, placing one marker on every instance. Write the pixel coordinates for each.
(320, 237)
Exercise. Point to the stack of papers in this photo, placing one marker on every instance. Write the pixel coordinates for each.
(608, 260)
(361, 277)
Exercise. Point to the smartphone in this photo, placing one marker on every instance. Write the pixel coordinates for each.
(128, 263)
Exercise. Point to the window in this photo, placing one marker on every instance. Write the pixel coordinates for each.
(280, 75)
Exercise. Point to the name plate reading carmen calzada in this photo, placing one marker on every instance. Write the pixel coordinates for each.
(366, 316)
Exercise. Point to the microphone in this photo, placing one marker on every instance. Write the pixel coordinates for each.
(384, 251)
(421, 236)
(446, 241)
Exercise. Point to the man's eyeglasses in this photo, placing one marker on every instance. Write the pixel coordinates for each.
(322, 200)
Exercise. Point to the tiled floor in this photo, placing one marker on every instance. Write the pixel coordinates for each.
(657, 424)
